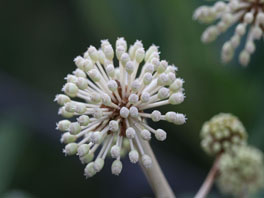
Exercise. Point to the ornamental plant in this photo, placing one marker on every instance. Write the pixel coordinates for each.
(103, 105)
(246, 15)
(238, 168)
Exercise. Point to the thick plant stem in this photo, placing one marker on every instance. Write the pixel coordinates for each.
(155, 175)
(208, 182)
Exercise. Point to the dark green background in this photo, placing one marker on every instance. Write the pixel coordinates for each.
(38, 41)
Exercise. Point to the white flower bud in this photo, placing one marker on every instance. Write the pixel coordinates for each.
(176, 85)
(68, 138)
(133, 98)
(133, 112)
(121, 42)
(130, 133)
(94, 75)
(98, 164)
(98, 113)
(119, 51)
(71, 89)
(113, 126)
(260, 17)
(93, 53)
(150, 50)
(112, 85)
(176, 118)
(95, 98)
(235, 41)
(64, 113)
(248, 18)
(220, 6)
(71, 149)
(80, 108)
(241, 29)
(244, 58)
(140, 54)
(135, 85)
(162, 66)
(70, 107)
(95, 137)
(155, 116)
(88, 65)
(257, 32)
(79, 73)
(176, 98)
(87, 158)
(227, 18)
(83, 150)
(71, 78)
(250, 47)
(163, 93)
(117, 167)
(145, 134)
(163, 79)
(147, 78)
(109, 52)
(124, 112)
(146, 160)
(63, 125)
(115, 151)
(106, 99)
(129, 67)
(110, 70)
(171, 77)
(160, 135)
(61, 99)
(124, 58)
(74, 128)
(83, 120)
(79, 62)
(89, 170)
(133, 156)
(149, 68)
(82, 83)
(145, 97)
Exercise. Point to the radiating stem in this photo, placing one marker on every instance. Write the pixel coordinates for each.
(208, 182)
(155, 175)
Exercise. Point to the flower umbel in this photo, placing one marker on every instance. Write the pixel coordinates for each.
(109, 103)
(247, 15)
(241, 171)
(222, 132)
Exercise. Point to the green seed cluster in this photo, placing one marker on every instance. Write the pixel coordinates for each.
(222, 132)
(241, 170)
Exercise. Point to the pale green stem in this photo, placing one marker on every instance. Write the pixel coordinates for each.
(155, 175)
(208, 182)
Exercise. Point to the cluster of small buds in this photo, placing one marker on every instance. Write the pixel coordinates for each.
(110, 103)
(241, 171)
(246, 14)
(222, 132)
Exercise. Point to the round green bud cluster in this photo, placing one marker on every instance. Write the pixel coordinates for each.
(241, 171)
(222, 132)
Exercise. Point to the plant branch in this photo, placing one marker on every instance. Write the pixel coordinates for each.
(208, 182)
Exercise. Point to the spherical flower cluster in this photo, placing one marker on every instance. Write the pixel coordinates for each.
(222, 132)
(241, 171)
(246, 15)
(110, 103)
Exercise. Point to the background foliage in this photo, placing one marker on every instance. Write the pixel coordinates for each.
(38, 41)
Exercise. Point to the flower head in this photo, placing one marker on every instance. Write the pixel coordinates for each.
(246, 15)
(241, 171)
(222, 132)
(109, 103)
